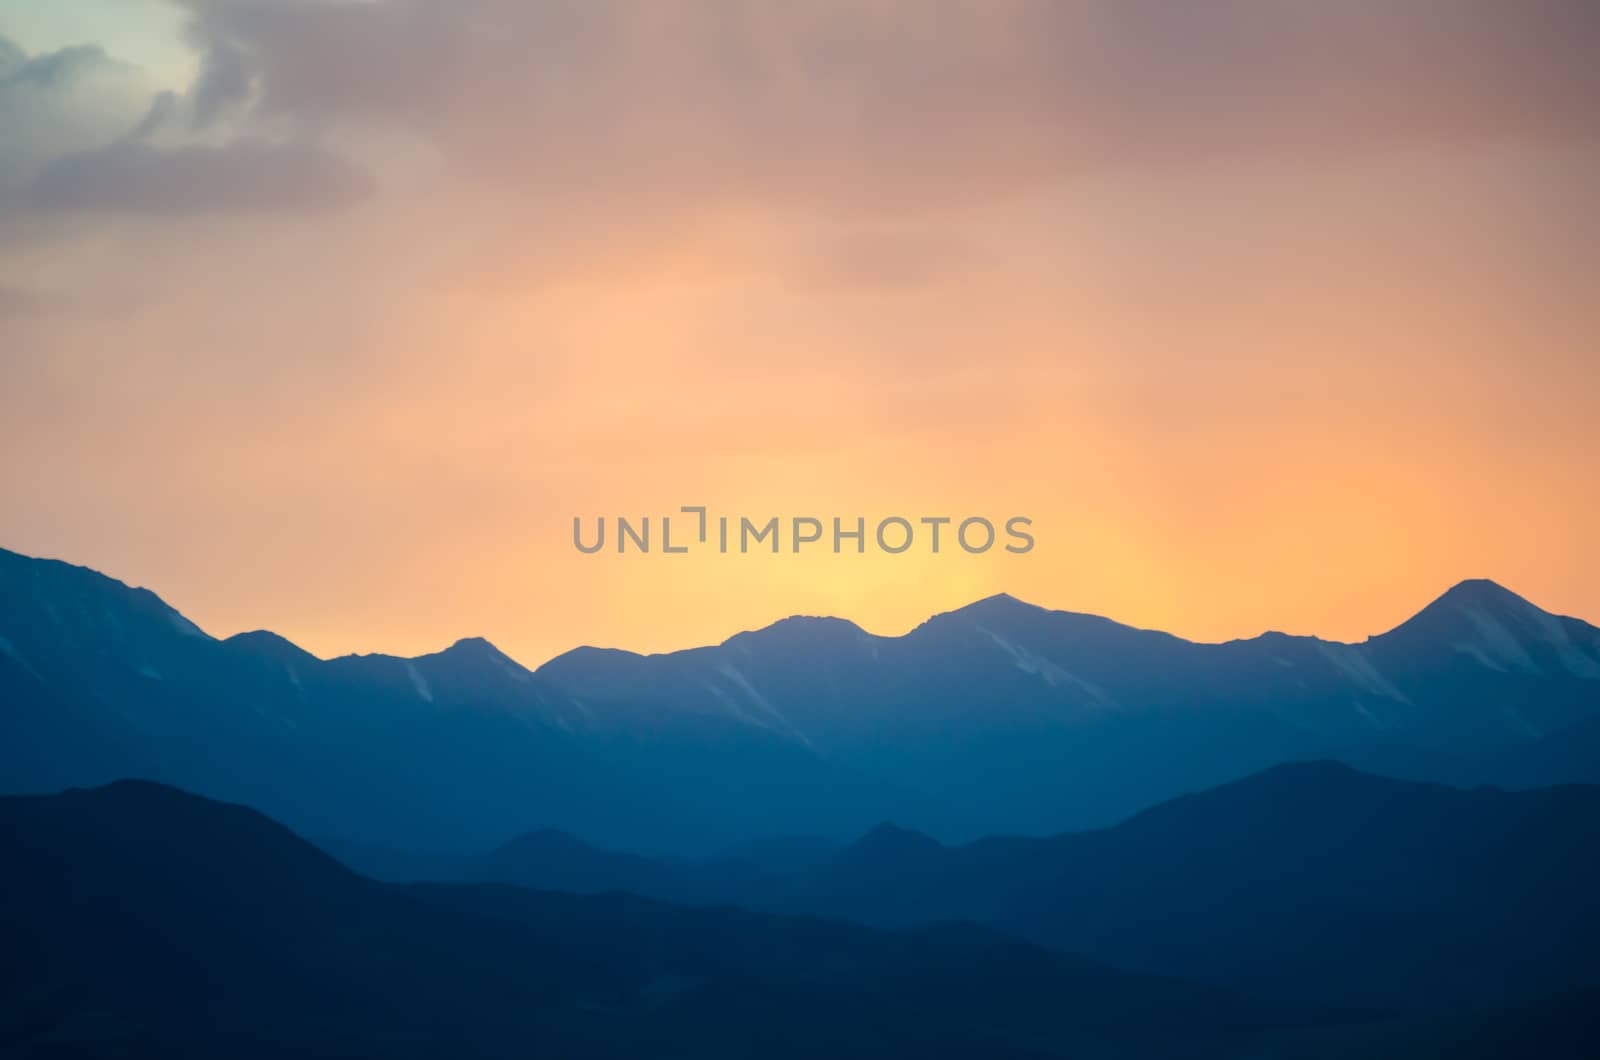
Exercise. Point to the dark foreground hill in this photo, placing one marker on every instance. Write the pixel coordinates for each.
(140, 921)
(1309, 881)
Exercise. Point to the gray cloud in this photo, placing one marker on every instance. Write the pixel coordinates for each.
(243, 176)
(60, 101)
(58, 69)
(80, 131)
(655, 106)
(904, 104)
(225, 82)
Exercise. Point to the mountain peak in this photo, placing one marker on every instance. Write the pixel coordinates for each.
(546, 840)
(468, 647)
(1001, 602)
(1477, 600)
(1474, 592)
(892, 841)
(991, 608)
(62, 587)
(475, 654)
(889, 832)
(798, 630)
(1502, 630)
(269, 645)
(1006, 614)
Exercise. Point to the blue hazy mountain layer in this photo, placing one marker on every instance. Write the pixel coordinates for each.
(998, 718)
(1309, 882)
(142, 921)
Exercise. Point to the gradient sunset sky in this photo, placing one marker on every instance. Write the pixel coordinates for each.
(328, 317)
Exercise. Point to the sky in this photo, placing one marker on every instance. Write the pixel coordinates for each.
(329, 316)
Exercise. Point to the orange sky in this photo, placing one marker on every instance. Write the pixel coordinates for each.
(314, 347)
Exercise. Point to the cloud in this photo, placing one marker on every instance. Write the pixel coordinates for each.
(81, 131)
(900, 105)
(59, 69)
(61, 101)
(239, 177)
(224, 82)
(650, 111)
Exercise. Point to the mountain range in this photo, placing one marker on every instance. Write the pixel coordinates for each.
(1310, 882)
(142, 921)
(1106, 842)
(997, 718)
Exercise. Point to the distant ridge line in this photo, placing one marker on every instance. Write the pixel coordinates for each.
(1467, 592)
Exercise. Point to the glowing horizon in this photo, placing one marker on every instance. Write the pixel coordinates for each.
(328, 318)
(777, 620)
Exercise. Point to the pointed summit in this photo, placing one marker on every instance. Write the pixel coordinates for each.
(1001, 602)
(1482, 592)
(1020, 622)
(891, 845)
(1503, 631)
(999, 607)
(474, 648)
(472, 660)
(1473, 597)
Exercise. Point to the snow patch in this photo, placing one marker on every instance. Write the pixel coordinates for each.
(1478, 654)
(7, 648)
(1372, 718)
(774, 717)
(1575, 658)
(513, 671)
(734, 708)
(1578, 662)
(1350, 661)
(187, 628)
(1500, 643)
(419, 682)
(1051, 673)
(732, 673)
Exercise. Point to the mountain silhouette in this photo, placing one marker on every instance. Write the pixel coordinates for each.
(551, 860)
(999, 717)
(1310, 881)
(1306, 880)
(555, 861)
(143, 921)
